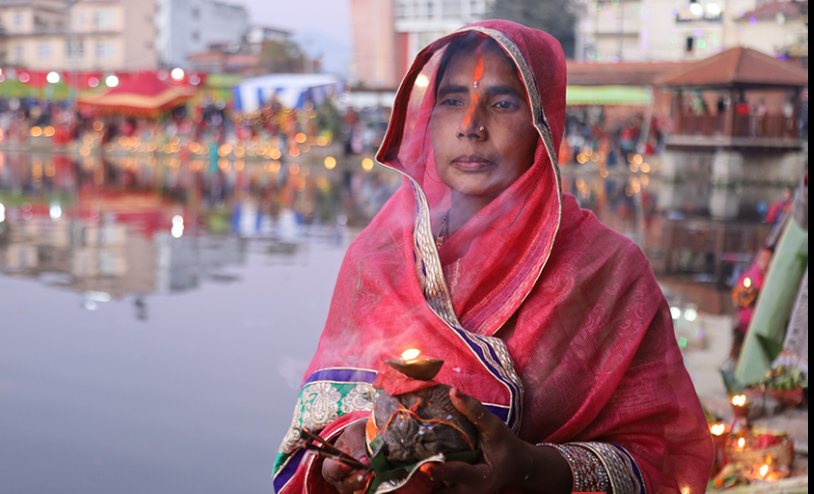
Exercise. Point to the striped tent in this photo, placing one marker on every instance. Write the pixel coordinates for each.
(291, 90)
(144, 95)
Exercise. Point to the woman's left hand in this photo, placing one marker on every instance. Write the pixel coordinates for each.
(507, 459)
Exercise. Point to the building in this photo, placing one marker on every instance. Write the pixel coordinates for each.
(677, 30)
(89, 35)
(775, 28)
(258, 35)
(388, 34)
(192, 26)
(241, 56)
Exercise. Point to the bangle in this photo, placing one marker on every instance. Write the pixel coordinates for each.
(589, 473)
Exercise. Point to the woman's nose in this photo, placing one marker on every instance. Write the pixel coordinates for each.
(471, 126)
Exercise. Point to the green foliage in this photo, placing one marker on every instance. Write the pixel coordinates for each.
(282, 57)
(556, 17)
(329, 119)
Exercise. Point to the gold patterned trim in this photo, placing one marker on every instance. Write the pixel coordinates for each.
(540, 123)
(620, 468)
(321, 402)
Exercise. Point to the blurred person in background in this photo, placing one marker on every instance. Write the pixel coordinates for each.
(745, 295)
(557, 339)
(778, 210)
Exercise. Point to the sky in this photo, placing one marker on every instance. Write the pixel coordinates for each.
(321, 27)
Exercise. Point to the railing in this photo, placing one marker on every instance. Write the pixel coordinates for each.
(767, 126)
(703, 125)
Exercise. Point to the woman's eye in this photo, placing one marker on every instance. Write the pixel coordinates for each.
(451, 102)
(504, 105)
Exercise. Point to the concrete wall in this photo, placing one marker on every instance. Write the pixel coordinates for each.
(374, 43)
(140, 52)
(732, 167)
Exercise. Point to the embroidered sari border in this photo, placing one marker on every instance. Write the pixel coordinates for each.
(625, 475)
(340, 374)
(634, 466)
(287, 471)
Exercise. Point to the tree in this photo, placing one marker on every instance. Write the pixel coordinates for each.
(556, 17)
(282, 57)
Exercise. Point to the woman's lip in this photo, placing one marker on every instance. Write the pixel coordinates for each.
(472, 163)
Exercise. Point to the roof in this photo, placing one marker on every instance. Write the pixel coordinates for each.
(617, 74)
(791, 10)
(142, 95)
(738, 67)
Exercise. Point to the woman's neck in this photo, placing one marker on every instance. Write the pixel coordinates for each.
(464, 208)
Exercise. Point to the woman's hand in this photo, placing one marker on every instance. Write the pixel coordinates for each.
(348, 480)
(507, 459)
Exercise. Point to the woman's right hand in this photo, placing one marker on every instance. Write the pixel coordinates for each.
(348, 480)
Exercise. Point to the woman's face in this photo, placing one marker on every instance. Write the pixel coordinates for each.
(482, 134)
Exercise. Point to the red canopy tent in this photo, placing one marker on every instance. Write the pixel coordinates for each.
(144, 95)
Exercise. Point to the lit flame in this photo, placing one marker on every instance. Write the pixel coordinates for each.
(764, 470)
(410, 354)
(739, 400)
(747, 282)
(741, 442)
(717, 429)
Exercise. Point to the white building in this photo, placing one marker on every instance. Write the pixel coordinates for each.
(422, 22)
(674, 30)
(388, 34)
(191, 26)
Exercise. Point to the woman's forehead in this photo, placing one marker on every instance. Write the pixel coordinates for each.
(484, 63)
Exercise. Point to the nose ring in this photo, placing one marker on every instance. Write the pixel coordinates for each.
(481, 129)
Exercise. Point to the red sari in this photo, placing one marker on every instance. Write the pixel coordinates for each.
(556, 323)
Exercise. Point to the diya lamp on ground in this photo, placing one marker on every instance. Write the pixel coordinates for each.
(720, 436)
(739, 406)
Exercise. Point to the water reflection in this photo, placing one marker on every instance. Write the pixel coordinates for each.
(111, 227)
(690, 227)
(135, 225)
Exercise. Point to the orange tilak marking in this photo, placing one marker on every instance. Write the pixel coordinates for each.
(471, 110)
(476, 77)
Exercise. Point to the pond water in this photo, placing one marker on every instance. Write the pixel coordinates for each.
(158, 316)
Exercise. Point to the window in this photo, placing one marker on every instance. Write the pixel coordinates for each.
(104, 50)
(401, 9)
(75, 49)
(196, 13)
(103, 19)
(690, 44)
(196, 36)
(81, 20)
(44, 51)
(18, 20)
(19, 53)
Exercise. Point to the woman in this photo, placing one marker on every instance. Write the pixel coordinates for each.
(553, 328)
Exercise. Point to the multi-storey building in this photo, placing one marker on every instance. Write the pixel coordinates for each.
(676, 30)
(87, 35)
(192, 26)
(388, 34)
